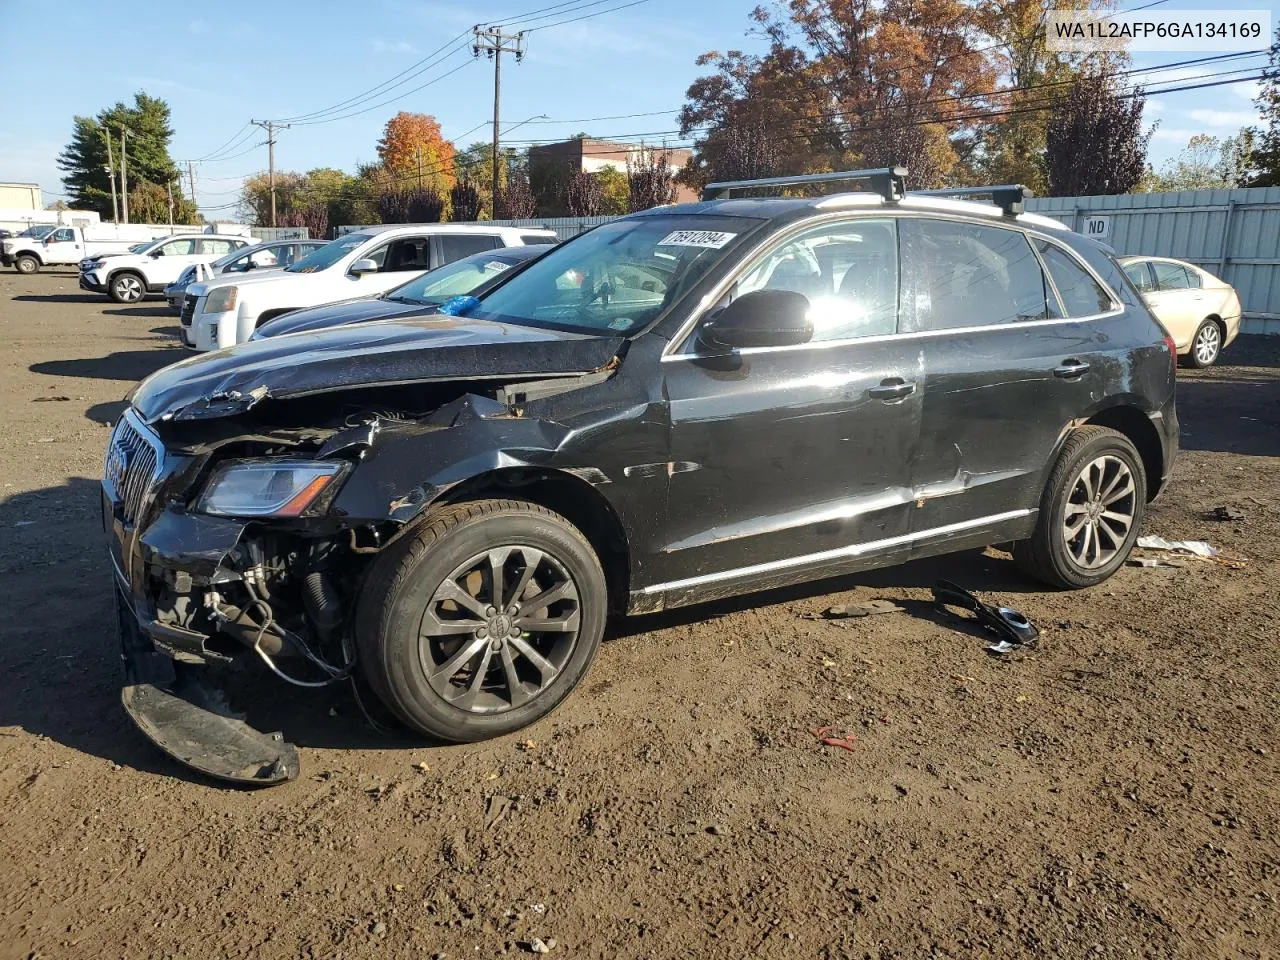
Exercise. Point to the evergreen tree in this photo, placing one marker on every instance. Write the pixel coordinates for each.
(84, 162)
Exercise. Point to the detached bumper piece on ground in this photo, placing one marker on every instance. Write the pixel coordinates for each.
(1012, 630)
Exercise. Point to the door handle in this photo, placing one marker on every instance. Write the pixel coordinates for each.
(892, 390)
(1071, 369)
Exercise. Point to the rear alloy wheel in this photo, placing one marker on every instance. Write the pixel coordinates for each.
(1090, 512)
(127, 288)
(483, 621)
(1206, 345)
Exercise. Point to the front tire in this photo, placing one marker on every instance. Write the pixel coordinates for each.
(1206, 345)
(482, 620)
(127, 288)
(1090, 512)
(27, 264)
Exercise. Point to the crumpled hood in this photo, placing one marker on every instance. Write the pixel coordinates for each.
(337, 314)
(228, 382)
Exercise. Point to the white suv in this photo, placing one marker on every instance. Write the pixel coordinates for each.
(226, 310)
(129, 277)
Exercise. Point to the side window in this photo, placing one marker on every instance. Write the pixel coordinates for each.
(408, 254)
(455, 246)
(219, 247)
(1081, 294)
(65, 235)
(177, 248)
(848, 270)
(1170, 276)
(1140, 274)
(967, 275)
(1194, 279)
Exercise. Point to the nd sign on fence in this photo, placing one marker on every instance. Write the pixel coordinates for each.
(1097, 228)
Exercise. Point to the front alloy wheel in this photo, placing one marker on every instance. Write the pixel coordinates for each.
(126, 288)
(1206, 345)
(482, 620)
(499, 629)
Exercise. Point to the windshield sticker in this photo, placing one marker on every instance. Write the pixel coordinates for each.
(711, 239)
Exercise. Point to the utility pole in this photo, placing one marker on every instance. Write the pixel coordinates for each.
(495, 43)
(168, 189)
(191, 175)
(124, 175)
(271, 127)
(419, 168)
(111, 175)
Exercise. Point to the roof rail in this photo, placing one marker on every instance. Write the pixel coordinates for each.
(889, 182)
(1009, 197)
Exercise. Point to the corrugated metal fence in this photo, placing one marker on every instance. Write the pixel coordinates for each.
(1234, 234)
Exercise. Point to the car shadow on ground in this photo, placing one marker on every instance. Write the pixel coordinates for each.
(62, 298)
(139, 310)
(172, 331)
(130, 365)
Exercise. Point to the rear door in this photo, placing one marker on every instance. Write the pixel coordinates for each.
(171, 258)
(1007, 366)
(1175, 301)
(796, 459)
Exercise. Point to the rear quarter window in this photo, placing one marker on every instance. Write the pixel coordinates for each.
(1082, 296)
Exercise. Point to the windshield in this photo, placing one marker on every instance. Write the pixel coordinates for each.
(324, 257)
(451, 280)
(618, 277)
(232, 257)
(38, 231)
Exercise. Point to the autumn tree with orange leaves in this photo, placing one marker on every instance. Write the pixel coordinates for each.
(415, 153)
(864, 83)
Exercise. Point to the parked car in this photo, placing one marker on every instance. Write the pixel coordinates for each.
(418, 297)
(269, 255)
(225, 311)
(683, 404)
(130, 277)
(1199, 310)
(64, 246)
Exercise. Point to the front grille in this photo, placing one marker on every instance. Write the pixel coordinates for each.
(132, 466)
(188, 309)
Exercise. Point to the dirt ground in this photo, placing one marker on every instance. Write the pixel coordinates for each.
(1112, 794)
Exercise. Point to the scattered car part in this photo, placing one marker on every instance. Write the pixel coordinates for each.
(865, 608)
(1197, 548)
(1227, 513)
(1011, 628)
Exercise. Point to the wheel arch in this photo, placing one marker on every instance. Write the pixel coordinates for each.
(119, 270)
(1141, 432)
(573, 498)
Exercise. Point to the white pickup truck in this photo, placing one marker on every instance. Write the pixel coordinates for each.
(226, 310)
(67, 246)
(127, 278)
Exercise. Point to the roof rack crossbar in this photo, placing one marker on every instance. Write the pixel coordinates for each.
(889, 182)
(1009, 197)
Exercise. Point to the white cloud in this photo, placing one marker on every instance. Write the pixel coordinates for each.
(1176, 134)
(1246, 91)
(395, 46)
(1224, 118)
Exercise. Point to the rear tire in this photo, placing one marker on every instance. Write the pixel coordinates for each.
(1206, 345)
(444, 630)
(127, 287)
(1090, 512)
(27, 264)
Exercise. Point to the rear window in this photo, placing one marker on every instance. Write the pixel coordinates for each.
(455, 246)
(972, 276)
(537, 238)
(1170, 276)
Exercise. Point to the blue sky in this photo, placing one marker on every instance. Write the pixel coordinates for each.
(218, 65)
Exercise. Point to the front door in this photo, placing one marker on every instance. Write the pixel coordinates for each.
(795, 460)
(63, 246)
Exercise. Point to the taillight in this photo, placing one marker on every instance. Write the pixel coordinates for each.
(1173, 354)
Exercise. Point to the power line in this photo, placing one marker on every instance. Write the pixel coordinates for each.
(407, 93)
(598, 13)
(225, 145)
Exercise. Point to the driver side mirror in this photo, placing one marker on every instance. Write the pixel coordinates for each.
(363, 266)
(763, 318)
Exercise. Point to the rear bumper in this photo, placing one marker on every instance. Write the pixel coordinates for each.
(1165, 420)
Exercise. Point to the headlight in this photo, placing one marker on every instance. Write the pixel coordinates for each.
(221, 300)
(267, 488)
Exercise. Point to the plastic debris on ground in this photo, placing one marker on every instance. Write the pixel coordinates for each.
(826, 736)
(1226, 513)
(866, 608)
(1013, 631)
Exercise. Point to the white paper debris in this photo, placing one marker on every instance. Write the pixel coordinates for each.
(1197, 547)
